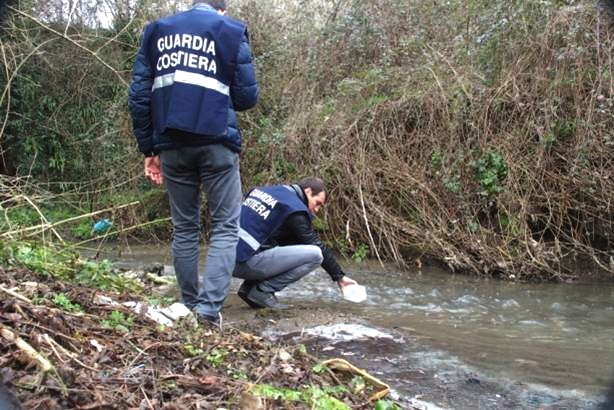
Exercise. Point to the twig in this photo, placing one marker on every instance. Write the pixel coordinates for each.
(70, 354)
(70, 14)
(96, 406)
(333, 376)
(265, 371)
(37, 21)
(147, 398)
(456, 75)
(364, 214)
(142, 352)
(130, 228)
(47, 338)
(8, 98)
(43, 227)
(64, 390)
(62, 335)
(119, 33)
(7, 87)
(42, 216)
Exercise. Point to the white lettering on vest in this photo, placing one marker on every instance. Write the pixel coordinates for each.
(186, 41)
(211, 48)
(193, 63)
(212, 67)
(260, 202)
(170, 58)
(203, 62)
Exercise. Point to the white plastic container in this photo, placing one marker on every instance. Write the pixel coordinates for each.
(354, 293)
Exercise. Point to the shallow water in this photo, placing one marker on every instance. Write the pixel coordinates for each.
(544, 344)
(510, 345)
(560, 335)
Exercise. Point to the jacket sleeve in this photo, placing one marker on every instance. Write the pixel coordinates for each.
(244, 88)
(139, 98)
(302, 231)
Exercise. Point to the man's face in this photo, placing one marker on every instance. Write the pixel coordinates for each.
(315, 202)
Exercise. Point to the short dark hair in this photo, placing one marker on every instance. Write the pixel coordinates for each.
(316, 185)
(216, 4)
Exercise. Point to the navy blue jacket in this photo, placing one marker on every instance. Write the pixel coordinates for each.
(295, 229)
(192, 71)
(263, 211)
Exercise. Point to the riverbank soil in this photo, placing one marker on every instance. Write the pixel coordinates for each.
(100, 355)
(66, 346)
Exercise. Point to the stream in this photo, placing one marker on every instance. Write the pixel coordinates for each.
(444, 341)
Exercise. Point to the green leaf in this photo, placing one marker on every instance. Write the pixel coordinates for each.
(386, 405)
(318, 368)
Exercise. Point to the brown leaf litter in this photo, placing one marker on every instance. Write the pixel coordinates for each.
(55, 359)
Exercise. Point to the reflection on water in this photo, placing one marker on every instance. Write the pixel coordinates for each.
(551, 337)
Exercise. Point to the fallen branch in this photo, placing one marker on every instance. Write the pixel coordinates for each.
(15, 294)
(9, 335)
(43, 227)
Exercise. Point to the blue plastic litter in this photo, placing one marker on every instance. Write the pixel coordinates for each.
(102, 226)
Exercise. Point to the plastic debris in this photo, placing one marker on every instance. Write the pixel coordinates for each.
(97, 345)
(102, 226)
(164, 316)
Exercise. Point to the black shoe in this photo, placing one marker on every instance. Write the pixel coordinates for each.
(210, 322)
(264, 299)
(244, 289)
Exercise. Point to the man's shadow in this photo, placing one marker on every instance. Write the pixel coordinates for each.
(8, 399)
(608, 404)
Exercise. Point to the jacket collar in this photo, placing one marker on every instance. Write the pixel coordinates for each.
(203, 6)
(299, 192)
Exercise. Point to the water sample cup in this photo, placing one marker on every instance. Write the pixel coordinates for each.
(354, 293)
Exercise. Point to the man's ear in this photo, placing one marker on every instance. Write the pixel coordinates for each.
(308, 192)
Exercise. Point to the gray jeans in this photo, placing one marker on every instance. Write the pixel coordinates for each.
(216, 169)
(274, 269)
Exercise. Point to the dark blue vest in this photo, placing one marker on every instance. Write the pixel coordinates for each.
(193, 57)
(263, 211)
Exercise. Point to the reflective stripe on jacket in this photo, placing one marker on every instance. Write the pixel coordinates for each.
(191, 69)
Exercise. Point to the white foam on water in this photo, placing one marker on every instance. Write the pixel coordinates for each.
(467, 300)
(346, 332)
(424, 405)
(510, 303)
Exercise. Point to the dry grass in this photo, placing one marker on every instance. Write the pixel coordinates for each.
(476, 133)
(398, 124)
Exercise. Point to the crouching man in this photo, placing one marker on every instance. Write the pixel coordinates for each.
(277, 244)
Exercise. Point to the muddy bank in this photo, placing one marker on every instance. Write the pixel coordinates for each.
(64, 347)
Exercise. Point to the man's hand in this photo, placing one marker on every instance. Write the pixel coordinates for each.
(152, 170)
(345, 281)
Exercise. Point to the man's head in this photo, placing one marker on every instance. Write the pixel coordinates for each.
(315, 192)
(219, 5)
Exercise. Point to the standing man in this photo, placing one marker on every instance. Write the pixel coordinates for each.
(192, 71)
(277, 244)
